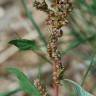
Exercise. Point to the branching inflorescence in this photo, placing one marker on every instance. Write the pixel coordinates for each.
(57, 18)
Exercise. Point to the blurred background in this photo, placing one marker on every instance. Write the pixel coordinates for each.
(19, 20)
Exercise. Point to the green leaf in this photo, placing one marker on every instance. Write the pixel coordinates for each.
(25, 83)
(78, 89)
(1, 94)
(24, 44)
(89, 69)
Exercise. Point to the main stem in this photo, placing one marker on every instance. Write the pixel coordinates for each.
(56, 90)
(56, 86)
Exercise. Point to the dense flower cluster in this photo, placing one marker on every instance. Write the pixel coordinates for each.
(57, 18)
(41, 6)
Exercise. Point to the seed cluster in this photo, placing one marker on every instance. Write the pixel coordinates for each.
(55, 54)
(41, 88)
(57, 18)
(41, 6)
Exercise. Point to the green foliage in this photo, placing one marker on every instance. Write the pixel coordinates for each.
(24, 44)
(89, 69)
(91, 8)
(1, 94)
(81, 36)
(78, 89)
(31, 18)
(25, 83)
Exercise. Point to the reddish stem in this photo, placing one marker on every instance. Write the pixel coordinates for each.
(56, 86)
(56, 90)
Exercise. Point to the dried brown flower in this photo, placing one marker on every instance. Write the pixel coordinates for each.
(41, 6)
(56, 19)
